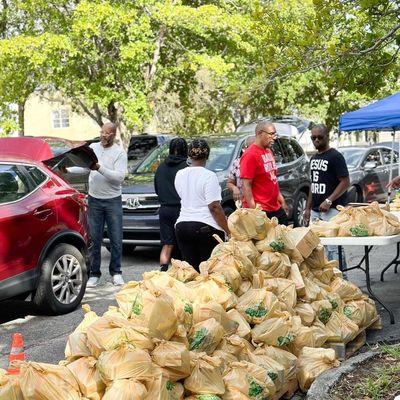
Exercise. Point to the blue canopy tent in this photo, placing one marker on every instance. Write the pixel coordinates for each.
(381, 115)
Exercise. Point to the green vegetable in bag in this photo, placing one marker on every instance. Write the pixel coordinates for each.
(198, 339)
(359, 231)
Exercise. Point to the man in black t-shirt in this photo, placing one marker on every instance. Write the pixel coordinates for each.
(329, 181)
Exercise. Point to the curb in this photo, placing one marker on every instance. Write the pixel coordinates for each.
(321, 387)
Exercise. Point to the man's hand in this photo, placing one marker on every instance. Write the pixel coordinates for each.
(236, 193)
(324, 207)
(95, 167)
(394, 183)
(306, 217)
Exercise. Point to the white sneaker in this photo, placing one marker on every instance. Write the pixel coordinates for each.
(118, 280)
(93, 281)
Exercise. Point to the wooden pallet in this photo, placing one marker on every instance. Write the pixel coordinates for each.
(287, 391)
(346, 350)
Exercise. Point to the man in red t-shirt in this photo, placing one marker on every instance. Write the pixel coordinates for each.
(258, 173)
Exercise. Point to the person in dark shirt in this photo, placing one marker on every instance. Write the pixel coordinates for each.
(170, 202)
(329, 182)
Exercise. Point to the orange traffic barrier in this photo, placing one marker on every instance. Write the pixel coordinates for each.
(16, 353)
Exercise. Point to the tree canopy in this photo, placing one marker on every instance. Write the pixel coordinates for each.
(197, 67)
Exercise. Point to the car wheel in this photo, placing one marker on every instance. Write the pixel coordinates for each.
(62, 280)
(299, 206)
(354, 196)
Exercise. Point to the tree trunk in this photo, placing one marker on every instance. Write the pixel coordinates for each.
(21, 118)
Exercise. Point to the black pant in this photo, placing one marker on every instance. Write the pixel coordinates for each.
(196, 242)
(280, 214)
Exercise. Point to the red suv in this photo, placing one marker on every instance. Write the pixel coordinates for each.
(43, 229)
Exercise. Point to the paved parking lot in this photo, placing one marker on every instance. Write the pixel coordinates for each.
(45, 337)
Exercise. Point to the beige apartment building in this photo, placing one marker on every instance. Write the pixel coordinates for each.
(53, 116)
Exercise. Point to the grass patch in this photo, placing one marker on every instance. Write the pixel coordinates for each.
(376, 379)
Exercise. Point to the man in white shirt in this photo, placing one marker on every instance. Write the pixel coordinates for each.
(105, 203)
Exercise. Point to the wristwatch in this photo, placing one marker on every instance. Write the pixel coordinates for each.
(329, 202)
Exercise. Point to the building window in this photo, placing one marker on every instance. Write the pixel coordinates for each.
(60, 119)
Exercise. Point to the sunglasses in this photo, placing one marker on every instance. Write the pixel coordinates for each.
(316, 137)
(269, 133)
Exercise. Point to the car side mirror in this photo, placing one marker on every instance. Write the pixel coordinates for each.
(370, 165)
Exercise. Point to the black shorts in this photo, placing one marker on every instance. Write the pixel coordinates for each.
(168, 216)
(280, 214)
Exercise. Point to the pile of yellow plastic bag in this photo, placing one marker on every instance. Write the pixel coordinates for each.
(370, 220)
(254, 319)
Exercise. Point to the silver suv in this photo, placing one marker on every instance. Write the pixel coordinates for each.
(140, 203)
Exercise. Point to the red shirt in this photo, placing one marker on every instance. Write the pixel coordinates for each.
(259, 165)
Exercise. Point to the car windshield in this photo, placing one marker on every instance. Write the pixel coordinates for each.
(221, 153)
(352, 156)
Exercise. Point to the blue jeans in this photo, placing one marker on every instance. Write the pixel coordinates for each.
(101, 212)
(332, 251)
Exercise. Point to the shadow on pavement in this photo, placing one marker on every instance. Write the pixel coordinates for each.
(13, 309)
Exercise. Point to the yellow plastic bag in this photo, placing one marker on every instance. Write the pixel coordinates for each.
(231, 256)
(283, 357)
(212, 309)
(235, 345)
(207, 288)
(257, 304)
(249, 379)
(41, 381)
(346, 290)
(205, 336)
(247, 248)
(284, 289)
(277, 265)
(182, 271)
(245, 286)
(88, 377)
(161, 388)
(206, 376)
(88, 318)
(313, 362)
(225, 358)
(355, 310)
(163, 321)
(275, 370)
(228, 272)
(243, 329)
(107, 333)
(9, 387)
(114, 311)
(125, 389)
(274, 332)
(173, 358)
(325, 228)
(124, 363)
(246, 224)
(296, 277)
(306, 313)
(311, 290)
(340, 328)
(77, 346)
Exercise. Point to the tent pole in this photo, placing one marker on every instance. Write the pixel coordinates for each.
(391, 165)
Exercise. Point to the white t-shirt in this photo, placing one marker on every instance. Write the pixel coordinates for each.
(197, 187)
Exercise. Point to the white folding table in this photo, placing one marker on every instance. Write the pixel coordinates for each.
(368, 243)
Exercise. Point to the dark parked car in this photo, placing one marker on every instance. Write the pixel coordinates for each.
(141, 145)
(43, 229)
(141, 224)
(369, 169)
